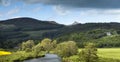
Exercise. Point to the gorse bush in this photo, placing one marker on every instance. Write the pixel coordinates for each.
(4, 53)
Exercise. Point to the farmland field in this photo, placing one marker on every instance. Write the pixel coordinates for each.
(113, 53)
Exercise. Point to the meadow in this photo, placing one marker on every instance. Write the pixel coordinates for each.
(108, 54)
(113, 53)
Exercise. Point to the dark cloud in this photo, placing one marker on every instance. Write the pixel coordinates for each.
(80, 3)
(5, 2)
(105, 4)
(0, 1)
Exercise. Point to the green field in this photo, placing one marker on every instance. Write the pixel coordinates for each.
(113, 53)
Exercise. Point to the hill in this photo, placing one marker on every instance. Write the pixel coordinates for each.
(30, 24)
(87, 27)
(14, 31)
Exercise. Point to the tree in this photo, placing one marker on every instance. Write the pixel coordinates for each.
(66, 49)
(89, 53)
(37, 49)
(46, 44)
(27, 46)
(54, 44)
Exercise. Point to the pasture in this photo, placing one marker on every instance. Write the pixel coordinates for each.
(113, 53)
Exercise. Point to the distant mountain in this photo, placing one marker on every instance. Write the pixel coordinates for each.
(75, 23)
(53, 22)
(88, 26)
(27, 24)
(17, 30)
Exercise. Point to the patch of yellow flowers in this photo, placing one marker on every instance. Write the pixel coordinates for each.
(4, 53)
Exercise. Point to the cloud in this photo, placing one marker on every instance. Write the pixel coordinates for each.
(0, 15)
(60, 10)
(117, 17)
(15, 16)
(62, 6)
(90, 6)
(102, 4)
(5, 2)
(13, 11)
(89, 12)
(100, 11)
(111, 11)
(80, 3)
(37, 9)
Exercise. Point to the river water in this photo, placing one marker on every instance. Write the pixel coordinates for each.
(47, 58)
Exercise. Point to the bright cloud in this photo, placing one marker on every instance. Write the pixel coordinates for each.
(61, 10)
(37, 9)
(13, 11)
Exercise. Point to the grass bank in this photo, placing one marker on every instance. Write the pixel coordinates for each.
(19, 56)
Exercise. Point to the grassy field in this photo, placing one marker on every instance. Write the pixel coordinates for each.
(113, 53)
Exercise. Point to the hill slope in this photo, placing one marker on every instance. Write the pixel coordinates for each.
(29, 24)
(14, 31)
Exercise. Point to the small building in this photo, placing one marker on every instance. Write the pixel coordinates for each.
(108, 33)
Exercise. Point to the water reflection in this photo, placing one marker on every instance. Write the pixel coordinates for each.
(47, 58)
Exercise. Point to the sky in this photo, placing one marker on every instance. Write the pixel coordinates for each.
(62, 11)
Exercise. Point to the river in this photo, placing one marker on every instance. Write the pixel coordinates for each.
(47, 58)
